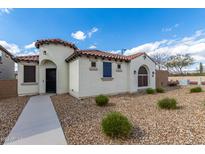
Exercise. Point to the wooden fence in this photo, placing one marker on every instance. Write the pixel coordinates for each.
(8, 88)
(161, 78)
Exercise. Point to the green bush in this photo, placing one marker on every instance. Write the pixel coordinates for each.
(116, 125)
(101, 100)
(160, 90)
(150, 91)
(196, 90)
(167, 103)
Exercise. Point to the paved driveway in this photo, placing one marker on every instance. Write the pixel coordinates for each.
(37, 124)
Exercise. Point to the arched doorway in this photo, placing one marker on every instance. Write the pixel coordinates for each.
(49, 75)
(142, 77)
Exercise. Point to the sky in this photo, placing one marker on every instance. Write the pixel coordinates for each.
(169, 31)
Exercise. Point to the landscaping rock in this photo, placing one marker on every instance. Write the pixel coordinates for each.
(81, 119)
(10, 109)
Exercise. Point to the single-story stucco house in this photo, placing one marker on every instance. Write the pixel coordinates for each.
(61, 67)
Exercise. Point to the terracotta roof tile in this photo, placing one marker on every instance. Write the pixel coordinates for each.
(55, 41)
(102, 54)
(32, 58)
(130, 57)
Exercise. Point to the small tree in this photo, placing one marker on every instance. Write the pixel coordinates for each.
(160, 59)
(200, 68)
(178, 62)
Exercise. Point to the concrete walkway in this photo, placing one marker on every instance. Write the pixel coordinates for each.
(37, 124)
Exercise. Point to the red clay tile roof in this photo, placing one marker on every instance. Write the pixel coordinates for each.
(94, 53)
(133, 56)
(32, 58)
(102, 54)
(55, 41)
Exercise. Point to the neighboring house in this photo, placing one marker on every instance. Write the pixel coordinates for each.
(7, 63)
(61, 67)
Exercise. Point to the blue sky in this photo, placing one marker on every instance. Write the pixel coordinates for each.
(150, 30)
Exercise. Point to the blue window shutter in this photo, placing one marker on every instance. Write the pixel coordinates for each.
(107, 69)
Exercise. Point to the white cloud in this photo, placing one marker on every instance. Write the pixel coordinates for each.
(152, 46)
(13, 48)
(26, 53)
(169, 29)
(176, 25)
(116, 51)
(79, 35)
(92, 47)
(93, 30)
(30, 46)
(199, 58)
(17, 51)
(193, 45)
(5, 10)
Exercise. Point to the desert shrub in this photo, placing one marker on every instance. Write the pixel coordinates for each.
(160, 90)
(167, 103)
(116, 125)
(101, 100)
(150, 91)
(173, 83)
(196, 90)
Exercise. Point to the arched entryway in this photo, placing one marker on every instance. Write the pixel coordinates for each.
(143, 77)
(49, 75)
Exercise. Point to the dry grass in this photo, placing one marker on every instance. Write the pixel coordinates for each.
(10, 110)
(81, 119)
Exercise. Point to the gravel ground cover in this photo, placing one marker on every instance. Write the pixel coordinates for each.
(10, 109)
(81, 119)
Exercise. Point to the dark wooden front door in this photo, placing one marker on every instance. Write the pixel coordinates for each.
(51, 80)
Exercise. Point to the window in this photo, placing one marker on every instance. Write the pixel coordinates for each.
(118, 67)
(107, 69)
(142, 77)
(0, 56)
(93, 64)
(29, 74)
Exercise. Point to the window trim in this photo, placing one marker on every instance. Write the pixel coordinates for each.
(27, 82)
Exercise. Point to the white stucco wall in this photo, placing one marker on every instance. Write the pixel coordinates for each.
(57, 54)
(27, 88)
(74, 78)
(133, 78)
(91, 83)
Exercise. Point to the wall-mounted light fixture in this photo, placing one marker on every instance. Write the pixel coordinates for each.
(44, 52)
(135, 71)
(153, 74)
